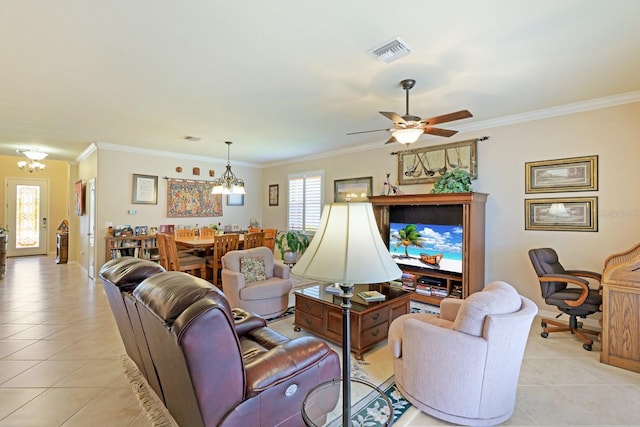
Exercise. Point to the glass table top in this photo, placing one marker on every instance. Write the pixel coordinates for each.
(319, 291)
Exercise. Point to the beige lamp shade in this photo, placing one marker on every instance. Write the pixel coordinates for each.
(347, 248)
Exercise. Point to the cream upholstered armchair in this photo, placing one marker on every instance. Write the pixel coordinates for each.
(252, 280)
(463, 365)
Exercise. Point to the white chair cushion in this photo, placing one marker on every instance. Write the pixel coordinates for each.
(495, 298)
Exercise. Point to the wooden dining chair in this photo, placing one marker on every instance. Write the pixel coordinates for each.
(269, 237)
(162, 250)
(253, 240)
(221, 245)
(189, 263)
(185, 233)
(207, 232)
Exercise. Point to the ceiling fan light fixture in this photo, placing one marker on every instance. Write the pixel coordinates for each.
(407, 136)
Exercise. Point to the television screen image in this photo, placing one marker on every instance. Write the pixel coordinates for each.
(427, 246)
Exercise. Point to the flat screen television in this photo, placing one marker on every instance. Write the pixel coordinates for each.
(427, 246)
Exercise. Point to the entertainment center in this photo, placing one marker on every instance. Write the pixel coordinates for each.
(423, 231)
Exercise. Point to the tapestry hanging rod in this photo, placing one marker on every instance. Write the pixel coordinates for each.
(189, 180)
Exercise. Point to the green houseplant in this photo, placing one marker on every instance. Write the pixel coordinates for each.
(453, 181)
(291, 244)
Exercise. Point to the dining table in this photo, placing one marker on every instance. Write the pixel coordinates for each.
(202, 243)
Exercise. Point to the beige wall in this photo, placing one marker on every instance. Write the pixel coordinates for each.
(57, 172)
(610, 133)
(114, 191)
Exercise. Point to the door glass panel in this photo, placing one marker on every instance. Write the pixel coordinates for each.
(27, 216)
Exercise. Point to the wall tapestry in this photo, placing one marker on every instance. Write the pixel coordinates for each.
(188, 198)
(426, 165)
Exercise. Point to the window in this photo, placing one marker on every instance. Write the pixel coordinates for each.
(305, 201)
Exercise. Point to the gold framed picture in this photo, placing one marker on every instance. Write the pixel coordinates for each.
(562, 175)
(562, 214)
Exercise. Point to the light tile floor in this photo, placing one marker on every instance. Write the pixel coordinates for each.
(59, 346)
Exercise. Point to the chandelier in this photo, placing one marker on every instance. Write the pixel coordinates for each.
(33, 165)
(228, 183)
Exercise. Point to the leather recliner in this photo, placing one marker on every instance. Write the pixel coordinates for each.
(120, 276)
(223, 367)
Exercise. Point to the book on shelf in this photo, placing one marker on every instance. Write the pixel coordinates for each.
(370, 296)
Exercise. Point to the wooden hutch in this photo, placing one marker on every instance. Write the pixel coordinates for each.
(472, 212)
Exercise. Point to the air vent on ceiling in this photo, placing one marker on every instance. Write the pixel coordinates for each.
(192, 138)
(391, 50)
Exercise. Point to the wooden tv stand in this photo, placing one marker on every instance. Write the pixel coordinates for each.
(472, 209)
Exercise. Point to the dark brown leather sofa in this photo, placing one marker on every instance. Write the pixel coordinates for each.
(221, 367)
(120, 277)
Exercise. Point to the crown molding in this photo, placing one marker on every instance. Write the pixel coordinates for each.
(148, 151)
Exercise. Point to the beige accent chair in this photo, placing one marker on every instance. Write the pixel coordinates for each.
(267, 296)
(463, 366)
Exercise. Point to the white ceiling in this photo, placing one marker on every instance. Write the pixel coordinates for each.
(288, 78)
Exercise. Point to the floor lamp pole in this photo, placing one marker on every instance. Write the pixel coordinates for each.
(347, 289)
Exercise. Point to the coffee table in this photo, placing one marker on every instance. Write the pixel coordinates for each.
(320, 313)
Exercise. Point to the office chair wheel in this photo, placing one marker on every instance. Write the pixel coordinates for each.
(586, 347)
(543, 324)
(545, 334)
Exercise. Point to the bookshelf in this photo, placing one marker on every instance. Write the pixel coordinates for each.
(144, 247)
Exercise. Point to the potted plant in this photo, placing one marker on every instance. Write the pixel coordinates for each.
(291, 244)
(2, 229)
(453, 181)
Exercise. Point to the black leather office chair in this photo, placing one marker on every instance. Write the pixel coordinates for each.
(577, 302)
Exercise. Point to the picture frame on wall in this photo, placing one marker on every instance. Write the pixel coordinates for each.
(145, 189)
(79, 201)
(353, 189)
(562, 175)
(273, 195)
(562, 214)
(235, 199)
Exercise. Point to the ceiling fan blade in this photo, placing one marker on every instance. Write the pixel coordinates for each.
(394, 117)
(440, 132)
(367, 131)
(391, 140)
(458, 115)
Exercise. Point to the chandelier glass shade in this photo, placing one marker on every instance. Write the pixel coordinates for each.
(33, 165)
(407, 136)
(228, 183)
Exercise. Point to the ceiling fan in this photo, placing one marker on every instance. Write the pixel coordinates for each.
(407, 129)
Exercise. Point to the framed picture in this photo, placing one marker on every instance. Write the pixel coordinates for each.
(273, 195)
(562, 175)
(145, 189)
(426, 165)
(79, 198)
(562, 214)
(235, 199)
(352, 190)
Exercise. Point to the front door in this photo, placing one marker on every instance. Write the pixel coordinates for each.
(27, 213)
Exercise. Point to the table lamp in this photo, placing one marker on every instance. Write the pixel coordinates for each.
(347, 249)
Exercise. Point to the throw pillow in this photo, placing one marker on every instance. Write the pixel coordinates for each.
(253, 269)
